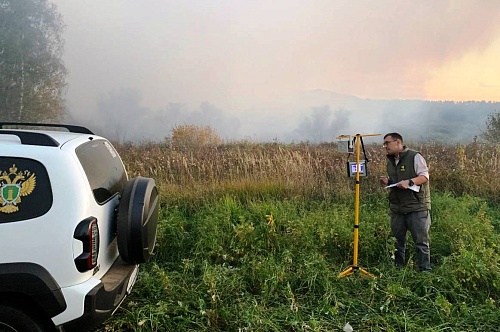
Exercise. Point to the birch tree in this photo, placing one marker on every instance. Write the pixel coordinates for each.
(32, 74)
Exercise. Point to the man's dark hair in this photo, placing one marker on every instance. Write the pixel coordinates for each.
(395, 136)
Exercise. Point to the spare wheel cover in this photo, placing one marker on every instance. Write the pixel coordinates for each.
(138, 220)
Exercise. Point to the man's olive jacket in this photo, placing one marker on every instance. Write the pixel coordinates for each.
(406, 200)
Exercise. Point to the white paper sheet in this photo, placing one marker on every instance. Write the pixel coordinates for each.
(414, 187)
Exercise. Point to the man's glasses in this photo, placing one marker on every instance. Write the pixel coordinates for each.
(387, 142)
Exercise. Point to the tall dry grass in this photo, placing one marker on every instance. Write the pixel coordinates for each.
(301, 169)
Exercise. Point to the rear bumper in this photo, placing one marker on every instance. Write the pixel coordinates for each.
(102, 300)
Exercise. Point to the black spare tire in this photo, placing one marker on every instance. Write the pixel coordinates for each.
(138, 220)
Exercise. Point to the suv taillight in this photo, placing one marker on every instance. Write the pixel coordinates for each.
(87, 231)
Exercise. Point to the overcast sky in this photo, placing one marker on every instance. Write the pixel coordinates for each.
(241, 54)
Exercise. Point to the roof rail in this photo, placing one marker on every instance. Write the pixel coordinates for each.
(31, 138)
(70, 128)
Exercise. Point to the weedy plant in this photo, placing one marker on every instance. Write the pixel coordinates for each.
(253, 237)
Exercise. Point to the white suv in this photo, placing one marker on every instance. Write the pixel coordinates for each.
(73, 228)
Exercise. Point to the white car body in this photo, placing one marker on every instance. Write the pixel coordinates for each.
(46, 247)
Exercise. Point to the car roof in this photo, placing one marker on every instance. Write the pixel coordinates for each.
(45, 137)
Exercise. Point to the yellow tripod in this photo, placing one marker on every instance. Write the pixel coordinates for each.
(354, 267)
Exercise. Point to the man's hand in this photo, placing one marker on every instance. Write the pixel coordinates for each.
(403, 184)
(383, 180)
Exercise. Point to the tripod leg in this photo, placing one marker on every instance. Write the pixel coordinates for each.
(366, 273)
(346, 272)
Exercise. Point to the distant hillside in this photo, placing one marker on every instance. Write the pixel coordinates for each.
(314, 116)
(325, 114)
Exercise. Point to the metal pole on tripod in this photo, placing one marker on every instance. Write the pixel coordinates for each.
(354, 267)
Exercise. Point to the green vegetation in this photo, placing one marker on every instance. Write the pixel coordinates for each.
(252, 238)
(492, 131)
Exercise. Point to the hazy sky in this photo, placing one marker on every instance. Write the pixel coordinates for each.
(245, 53)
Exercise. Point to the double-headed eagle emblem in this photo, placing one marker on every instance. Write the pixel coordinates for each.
(14, 185)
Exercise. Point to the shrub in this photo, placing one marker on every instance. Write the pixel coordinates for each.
(192, 137)
(492, 131)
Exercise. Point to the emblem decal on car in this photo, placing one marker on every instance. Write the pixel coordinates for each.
(13, 185)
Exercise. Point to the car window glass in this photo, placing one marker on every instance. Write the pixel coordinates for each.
(103, 167)
(25, 190)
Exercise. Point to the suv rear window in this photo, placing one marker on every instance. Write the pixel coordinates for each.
(25, 190)
(104, 169)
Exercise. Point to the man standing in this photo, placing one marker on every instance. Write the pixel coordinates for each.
(409, 199)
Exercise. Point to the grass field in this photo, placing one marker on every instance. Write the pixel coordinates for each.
(252, 237)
